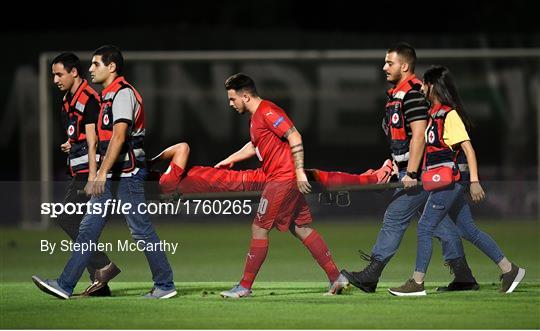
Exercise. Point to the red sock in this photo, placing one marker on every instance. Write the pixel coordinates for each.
(170, 178)
(254, 260)
(336, 178)
(316, 245)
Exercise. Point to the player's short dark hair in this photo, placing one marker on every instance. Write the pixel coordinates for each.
(70, 61)
(111, 53)
(407, 52)
(241, 82)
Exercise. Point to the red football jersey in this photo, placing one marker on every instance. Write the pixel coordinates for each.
(209, 179)
(268, 125)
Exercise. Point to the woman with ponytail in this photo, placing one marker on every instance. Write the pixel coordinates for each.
(449, 151)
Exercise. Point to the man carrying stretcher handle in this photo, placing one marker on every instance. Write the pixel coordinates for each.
(404, 122)
(201, 179)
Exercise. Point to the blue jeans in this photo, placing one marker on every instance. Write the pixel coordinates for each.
(406, 204)
(130, 189)
(451, 202)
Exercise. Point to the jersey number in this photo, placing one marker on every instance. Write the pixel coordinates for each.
(262, 206)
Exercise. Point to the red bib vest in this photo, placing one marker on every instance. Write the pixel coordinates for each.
(132, 153)
(74, 111)
(437, 151)
(394, 119)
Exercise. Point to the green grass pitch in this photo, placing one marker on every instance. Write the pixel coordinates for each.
(287, 293)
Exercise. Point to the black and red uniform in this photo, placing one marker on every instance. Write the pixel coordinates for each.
(406, 104)
(438, 153)
(78, 110)
(132, 155)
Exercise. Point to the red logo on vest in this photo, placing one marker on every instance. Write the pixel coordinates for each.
(431, 137)
(70, 130)
(395, 118)
(106, 119)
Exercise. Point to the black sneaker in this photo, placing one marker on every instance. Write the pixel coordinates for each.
(410, 288)
(459, 286)
(511, 279)
(463, 277)
(367, 279)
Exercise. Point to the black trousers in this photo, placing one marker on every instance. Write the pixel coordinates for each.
(70, 223)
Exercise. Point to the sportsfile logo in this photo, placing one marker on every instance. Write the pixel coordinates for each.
(109, 207)
(117, 207)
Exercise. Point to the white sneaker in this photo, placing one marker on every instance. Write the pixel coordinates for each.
(50, 287)
(156, 293)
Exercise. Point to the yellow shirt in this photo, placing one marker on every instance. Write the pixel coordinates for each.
(454, 129)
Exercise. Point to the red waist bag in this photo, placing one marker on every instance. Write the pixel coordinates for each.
(439, 177)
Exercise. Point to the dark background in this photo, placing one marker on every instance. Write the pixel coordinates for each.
(255, 25)
(29, 30)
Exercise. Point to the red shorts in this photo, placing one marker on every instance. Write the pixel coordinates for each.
(208, 179)
(281, 204)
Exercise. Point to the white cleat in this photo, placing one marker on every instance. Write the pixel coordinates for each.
(237, 292)
(337, 287)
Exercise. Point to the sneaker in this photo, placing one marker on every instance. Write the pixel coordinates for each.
(237, 292)
(511, 279)
(338, 285)
(459, 286)
(367, 279)
(410, 288)
(156, 293)
(384, 173)
(463, 277)
(50, 286)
